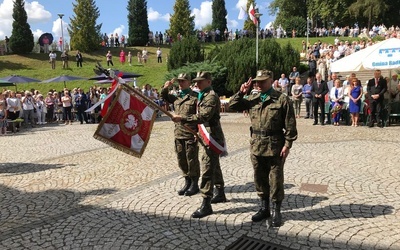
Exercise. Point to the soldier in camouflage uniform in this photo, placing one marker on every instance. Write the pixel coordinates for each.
(273, 130)
(208, 114)
(186, 145)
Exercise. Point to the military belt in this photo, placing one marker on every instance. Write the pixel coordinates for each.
(267, 133)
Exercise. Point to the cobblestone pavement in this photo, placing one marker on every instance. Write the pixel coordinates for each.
(60, 188)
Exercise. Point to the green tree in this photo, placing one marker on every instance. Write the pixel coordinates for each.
(181, 21)
(391, 16)
(248, 23)
(138, 23)
(186, 51)
(371, 9)
(239, 59)
(294, 22)
(219, 14)
(21, 40)
(85, 33)
(207, 27)
(324, 13)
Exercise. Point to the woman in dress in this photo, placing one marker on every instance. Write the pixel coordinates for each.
(122, 57)
(130, 58)
(144, 55)
(356, 93)
(297, 96)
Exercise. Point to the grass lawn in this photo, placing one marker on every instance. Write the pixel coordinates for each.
(38, 66)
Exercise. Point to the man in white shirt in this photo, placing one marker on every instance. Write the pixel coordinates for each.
(284, 82)
(159, 55)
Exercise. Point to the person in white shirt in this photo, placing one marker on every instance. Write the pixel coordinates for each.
(159, 55)
(28, 105)
(336, 96)
(52, 57)
(284, 83)
(41, 110)
(144, 55)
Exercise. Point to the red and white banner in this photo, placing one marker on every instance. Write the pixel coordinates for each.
(211, 142)
(252, 14)
(127, 124)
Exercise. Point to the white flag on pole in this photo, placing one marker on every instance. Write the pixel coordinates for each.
(252, 14)
(242, 14)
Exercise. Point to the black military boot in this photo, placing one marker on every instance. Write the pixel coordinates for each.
(219, 195)
(194, 187)
(204, 210)
(263, 213)
(276, 214)
(188, 182)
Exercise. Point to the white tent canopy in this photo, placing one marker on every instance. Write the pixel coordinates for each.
(382, 55)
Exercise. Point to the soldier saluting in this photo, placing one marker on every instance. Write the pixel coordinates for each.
(273, 130)
(186, 145)
(213, 142)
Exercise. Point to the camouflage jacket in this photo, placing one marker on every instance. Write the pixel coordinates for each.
(209, 114)
(273, 122)
(184, 107)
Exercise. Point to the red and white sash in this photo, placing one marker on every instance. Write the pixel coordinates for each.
(211, 142)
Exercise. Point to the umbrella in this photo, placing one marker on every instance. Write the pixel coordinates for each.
(124, 75)
(64, 78)
(18, 79)
(111, 80)
(49, 37)
(14, 79)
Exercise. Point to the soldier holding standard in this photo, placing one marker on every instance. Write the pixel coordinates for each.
(273, 130)
(213, 141)
(186, 145)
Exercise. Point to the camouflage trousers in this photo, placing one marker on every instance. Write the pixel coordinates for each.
(187, 152)
(212, 174)
(268, 177)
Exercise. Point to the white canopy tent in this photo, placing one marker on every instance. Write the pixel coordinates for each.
(382, 55)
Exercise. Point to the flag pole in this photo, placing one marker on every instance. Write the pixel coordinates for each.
(257, 15)
(151, 103)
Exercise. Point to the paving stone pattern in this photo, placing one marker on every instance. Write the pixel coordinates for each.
(62, 189)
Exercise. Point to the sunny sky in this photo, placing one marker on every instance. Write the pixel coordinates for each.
(42, 15)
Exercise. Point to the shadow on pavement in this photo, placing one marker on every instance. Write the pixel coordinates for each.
(26, 168)
(56, 219)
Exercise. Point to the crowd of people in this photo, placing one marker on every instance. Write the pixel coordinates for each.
(329, 101)
(32, 108)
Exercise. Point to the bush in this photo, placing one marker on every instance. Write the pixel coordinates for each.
(186, 51)
(218, 72)
(240, 60)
